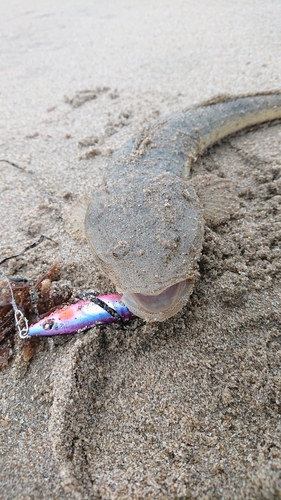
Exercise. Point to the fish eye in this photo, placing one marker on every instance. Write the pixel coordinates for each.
(48, 325)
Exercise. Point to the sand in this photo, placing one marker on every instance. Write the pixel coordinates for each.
(187, 408)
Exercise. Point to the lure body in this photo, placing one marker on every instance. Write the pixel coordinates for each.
(82, 315)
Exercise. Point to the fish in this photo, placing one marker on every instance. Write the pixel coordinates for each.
(146, 223)
(81, 316)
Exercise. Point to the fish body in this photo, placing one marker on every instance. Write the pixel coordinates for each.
(81, 315)
(146, 224)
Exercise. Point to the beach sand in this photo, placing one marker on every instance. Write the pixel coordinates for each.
(187, 408)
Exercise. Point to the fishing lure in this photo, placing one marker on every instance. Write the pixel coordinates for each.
(82, 315)
(70, 319)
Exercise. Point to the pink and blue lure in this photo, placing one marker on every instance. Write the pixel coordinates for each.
(82, 315)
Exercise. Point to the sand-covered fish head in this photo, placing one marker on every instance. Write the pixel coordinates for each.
(146, 235)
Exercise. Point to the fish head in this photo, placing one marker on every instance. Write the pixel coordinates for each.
(146, 234)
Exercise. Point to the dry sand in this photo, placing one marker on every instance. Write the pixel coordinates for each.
(189, 408)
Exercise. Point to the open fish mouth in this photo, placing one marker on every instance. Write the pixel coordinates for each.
(155, 306)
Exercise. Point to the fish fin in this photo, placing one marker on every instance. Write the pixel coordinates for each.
(74, 217)
(217, 196)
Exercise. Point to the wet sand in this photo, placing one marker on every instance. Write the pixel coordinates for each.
(187, 408)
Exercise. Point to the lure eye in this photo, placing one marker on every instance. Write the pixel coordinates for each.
(48, 325)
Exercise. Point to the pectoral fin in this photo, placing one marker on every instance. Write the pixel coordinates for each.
(74, 217)
(217, 196)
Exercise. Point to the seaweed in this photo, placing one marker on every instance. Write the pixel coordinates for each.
(35, 302)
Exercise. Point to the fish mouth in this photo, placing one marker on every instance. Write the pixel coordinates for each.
(156, 307)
